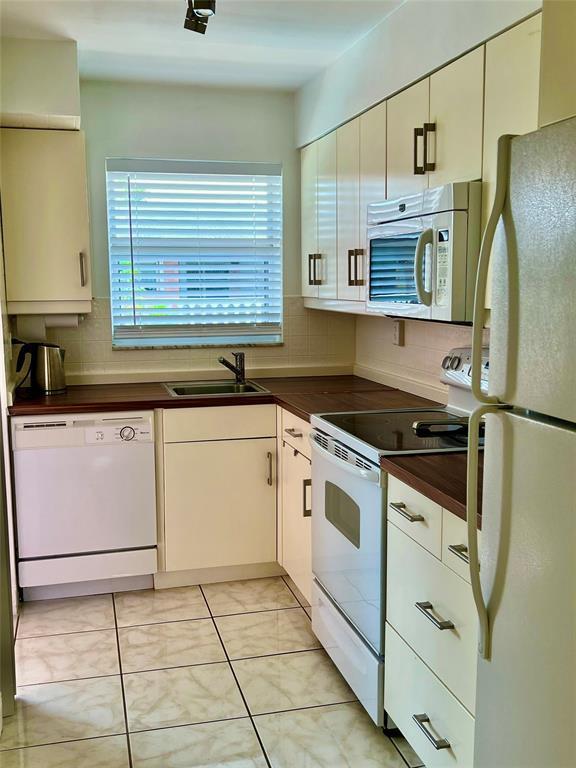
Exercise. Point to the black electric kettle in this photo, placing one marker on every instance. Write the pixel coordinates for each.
(46, 367)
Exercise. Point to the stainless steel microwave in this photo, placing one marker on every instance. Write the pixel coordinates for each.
(423, 252)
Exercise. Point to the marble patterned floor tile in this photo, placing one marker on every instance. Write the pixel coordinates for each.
(293, 588)
(229, 744)
(276, 683)
(53, 712)
(177, 644)
(152, 606)
(340, 736)
(262, 634)
(182, 696)
(249, 595)
(70, 614)
(52, 658)
(410, 757)
(107, 752)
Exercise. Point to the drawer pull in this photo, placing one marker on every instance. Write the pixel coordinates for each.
(460, 550)
(421, 721)
(425, 608)
(293, 432)
(306, 511)
(400, 507)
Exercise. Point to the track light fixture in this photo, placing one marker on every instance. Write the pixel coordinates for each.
(198, 14)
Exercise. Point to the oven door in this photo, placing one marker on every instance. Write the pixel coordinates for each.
(348, 530)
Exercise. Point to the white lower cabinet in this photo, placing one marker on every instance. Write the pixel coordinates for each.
(296, 519)
(436, 725)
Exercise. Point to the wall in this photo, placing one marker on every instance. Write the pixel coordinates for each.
(415, 39)
(184, 122)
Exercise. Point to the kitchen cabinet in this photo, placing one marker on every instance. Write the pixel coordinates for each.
(407, 113)
(309, 217)
(326, 271)
(296, 519)
(45, 221)
(510, 97)
(219, 479)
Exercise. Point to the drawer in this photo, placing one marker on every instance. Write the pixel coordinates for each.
(455, 544)
(415, 576)
(361, 669)
(411, 689)
(183, 425)
(296, 432)
(419, 517)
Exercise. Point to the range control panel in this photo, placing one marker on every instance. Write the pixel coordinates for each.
(457, 368)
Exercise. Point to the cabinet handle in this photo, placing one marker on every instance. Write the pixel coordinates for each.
(425, 608)
(293, 432)
(316, 257)
(418, 169)
(310, 269)
(351, 280)
(400, 507)
(460, 550)
(305, 485)
(421, 721)
(428, 128)
(82, 260)
(269, 457)
(359, 280)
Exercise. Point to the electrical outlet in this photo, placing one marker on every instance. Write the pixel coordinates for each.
(398, 333)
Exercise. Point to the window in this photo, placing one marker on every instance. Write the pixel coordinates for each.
(195, 252)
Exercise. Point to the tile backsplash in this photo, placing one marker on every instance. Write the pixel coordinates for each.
(314, 342)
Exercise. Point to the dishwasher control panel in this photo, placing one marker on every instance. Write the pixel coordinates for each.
(121, 432)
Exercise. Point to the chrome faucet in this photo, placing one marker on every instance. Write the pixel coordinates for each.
(238, 368)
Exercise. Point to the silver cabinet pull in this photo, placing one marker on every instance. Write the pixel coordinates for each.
(82, 260)
(426, 609)
(460, 550)
(305, 485)
(293, 432)
(400, 507)
(269, 457)
(422, 721)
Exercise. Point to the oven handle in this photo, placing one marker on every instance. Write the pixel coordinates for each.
(426, 238)
(370, 475)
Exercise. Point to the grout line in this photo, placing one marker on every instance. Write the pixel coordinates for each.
(124, 706)
(311, 706)
(190, 725)
(70, 680)
(264, 610)
(260, 742)
(294, 593)
(56, 743)
(65, 634)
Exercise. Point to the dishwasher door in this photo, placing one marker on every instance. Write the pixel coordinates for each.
(84, 484)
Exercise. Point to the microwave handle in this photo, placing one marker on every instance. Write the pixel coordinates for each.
(426, 238)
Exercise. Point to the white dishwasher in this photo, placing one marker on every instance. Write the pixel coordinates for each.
(85, 492)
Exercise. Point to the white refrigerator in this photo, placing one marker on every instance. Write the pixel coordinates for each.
(524, 576)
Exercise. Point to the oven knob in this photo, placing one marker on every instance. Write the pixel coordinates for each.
(455, 363)
(446, 362)
(127, 433)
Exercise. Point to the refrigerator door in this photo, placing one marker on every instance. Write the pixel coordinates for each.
(533, 322)
(526, 689)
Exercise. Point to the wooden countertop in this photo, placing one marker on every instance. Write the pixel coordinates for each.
(441, 477)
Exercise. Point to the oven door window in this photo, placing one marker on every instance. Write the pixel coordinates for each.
(392, 269)
(343, 512)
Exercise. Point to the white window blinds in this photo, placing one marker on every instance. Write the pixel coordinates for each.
(195, 252)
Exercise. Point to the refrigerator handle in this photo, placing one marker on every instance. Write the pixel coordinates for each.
(502, 167)
(472, 526)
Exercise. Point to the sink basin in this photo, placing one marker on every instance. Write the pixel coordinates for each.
(209, 388)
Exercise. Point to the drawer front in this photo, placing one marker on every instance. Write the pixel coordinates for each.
(455, 544)
(296, 432)
(183, 425)
(416, 515)
(410, 689)
(360, 668)
(415, 576)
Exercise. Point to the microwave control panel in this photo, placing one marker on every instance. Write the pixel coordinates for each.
(442, 266)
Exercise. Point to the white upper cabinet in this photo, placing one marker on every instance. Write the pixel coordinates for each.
(326, 264)
(45, 221)
(372, 170)
(407, 114)
(348, 194)
(309, 217)
(456, 107)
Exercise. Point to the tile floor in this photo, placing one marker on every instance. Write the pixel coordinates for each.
(224, 675)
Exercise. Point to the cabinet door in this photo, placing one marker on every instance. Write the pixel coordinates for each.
(220, 503)
(406, 111)
(372, 176)
(456, 107)
(510, 97)
(296, 519)
(348, 194)
(309, 215)
(326, 269)
(45, 216)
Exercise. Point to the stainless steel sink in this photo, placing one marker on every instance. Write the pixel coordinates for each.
(210, 388)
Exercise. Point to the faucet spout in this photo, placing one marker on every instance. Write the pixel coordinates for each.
(238, 367)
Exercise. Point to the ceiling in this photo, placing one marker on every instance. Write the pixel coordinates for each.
(262, 43)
